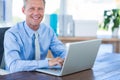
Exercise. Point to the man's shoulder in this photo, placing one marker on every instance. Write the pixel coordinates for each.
(45, 26)
(16, 28)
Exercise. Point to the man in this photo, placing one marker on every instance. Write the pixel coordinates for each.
(19, 41)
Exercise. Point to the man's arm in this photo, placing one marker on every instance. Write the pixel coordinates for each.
(57, 48)
(14, 59)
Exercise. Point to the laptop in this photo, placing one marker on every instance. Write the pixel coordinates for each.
(80, 56)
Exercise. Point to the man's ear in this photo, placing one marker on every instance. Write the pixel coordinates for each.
(23, 10)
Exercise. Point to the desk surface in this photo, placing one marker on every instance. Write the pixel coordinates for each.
(104, 39)
(112, 40)
(106, 67)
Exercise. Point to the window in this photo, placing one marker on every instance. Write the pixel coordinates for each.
(5, 12)
(88, 9)
(17, 11)
(52, 6)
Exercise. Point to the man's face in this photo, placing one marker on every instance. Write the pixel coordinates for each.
(34, 11)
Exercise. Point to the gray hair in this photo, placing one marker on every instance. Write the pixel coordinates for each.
(25, 1)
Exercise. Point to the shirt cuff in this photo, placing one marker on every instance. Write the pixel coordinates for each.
(43, 63)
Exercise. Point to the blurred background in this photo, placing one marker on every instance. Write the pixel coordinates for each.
(71, 18)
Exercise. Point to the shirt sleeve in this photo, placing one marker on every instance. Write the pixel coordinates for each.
(14, 62)
(57, 48)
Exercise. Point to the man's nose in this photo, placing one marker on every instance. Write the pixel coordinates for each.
(36, 11)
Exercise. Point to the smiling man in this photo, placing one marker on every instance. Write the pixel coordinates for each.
(19, 41)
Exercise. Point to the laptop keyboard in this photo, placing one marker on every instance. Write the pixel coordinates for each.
(55, 70)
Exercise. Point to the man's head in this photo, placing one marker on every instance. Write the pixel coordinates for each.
(34, 11)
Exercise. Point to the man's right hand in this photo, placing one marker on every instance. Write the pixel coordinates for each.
(56, 61)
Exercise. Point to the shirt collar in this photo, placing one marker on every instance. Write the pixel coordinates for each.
(29, 31)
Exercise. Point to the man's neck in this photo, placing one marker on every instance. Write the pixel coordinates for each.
(34, 27)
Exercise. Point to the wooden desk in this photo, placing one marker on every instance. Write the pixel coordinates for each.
(106, 67)
(114, 41)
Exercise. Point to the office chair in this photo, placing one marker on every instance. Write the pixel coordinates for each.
(2, 63)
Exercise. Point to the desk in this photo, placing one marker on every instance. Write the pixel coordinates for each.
(114, 41)
(106, 67)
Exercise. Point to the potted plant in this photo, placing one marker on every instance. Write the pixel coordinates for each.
(111, 18)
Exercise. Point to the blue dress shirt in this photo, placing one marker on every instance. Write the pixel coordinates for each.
(19, 48)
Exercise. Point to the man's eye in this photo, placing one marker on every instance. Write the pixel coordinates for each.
(40, 9)
(31, 9)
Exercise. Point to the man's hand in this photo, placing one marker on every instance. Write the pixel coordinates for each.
(56, 61)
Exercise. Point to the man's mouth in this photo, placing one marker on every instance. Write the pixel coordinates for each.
(36, 18)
